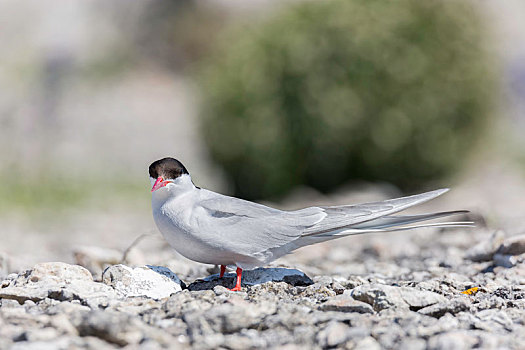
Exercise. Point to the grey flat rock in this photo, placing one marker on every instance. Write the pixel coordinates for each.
(254, 277)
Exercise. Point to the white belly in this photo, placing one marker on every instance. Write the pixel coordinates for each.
(180, 236)
(183, 242)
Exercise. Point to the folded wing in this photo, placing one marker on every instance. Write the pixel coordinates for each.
(374, 216)
(250, 227)
(259, 230)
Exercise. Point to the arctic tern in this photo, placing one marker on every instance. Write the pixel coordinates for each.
(212, 228)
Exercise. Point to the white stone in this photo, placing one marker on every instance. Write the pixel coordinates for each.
(154, 282)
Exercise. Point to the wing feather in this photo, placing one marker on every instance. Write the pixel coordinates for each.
(255, 227)
(391, 220)
(339, 217)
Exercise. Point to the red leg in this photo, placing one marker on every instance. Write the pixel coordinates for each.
(223, 269)
(237, 287)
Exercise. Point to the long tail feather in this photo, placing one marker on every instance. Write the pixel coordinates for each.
(344, 217)
(350, 232)
(391, 220)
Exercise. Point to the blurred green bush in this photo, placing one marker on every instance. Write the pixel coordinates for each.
(325, 92)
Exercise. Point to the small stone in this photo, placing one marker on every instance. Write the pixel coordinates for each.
(51, 344)
(413, 344)
(484, 250)
(62, 323)
(228, 318)
(513, 245)
(5, 303)
(187, 302)
(345, 303)
(494, 319)
(318, 292)
(432, 326)
(220, 290)
(66, 308)
(333, 334)
(29, 304)
(323, 280)
(42, 334)
(451, 306)
(154, 282)
(116, 328)
(338, 288)
(385, 297)
(455, 340)
(367, 343)
(354, 281)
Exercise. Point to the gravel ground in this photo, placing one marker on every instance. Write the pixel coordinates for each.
(424, 289)
(405, 291)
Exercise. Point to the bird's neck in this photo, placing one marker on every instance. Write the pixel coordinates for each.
(182, 184)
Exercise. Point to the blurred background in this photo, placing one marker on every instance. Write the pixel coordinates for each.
(289, 103)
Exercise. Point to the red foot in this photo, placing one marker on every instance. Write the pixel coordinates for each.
(237, 287)
(223, 269)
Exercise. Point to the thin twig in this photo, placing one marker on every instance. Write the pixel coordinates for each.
(133, 244)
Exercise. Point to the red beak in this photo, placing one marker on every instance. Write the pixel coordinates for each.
(159, 183)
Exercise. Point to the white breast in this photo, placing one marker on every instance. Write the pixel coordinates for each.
(174, 221)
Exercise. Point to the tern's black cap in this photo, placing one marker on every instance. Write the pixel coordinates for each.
(168, 168)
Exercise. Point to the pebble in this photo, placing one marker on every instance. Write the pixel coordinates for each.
(345, 303)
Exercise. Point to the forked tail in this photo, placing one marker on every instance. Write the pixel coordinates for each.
(379, 217)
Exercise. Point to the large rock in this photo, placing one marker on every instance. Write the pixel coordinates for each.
(155, 282)
(381, 297)
(59, 281)
(254, 277)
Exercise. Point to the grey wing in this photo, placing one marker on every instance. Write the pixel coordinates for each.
(347, 216)
(253, 228)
